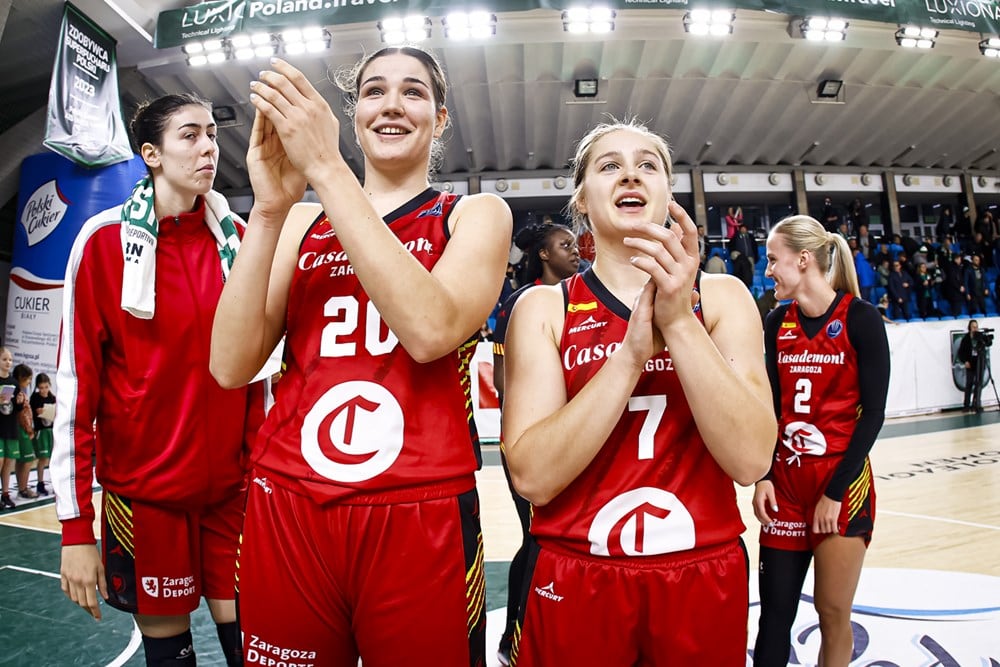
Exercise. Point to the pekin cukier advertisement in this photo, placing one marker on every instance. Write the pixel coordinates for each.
(55, 198)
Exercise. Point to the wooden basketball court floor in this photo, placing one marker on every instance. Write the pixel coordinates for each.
(935, 557)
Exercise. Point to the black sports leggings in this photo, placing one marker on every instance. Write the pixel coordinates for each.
(781, 576)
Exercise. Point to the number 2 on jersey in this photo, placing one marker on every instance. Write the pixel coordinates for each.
(803, 392)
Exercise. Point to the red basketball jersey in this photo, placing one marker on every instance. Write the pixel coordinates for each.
(356, 419)
(818, 379)
(653, 488)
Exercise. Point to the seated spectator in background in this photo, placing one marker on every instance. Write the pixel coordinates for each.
(953, 288)
(866, 274)
(945, 225)
(715, 264)
(924, 285)
(976, 287)
(900, 289)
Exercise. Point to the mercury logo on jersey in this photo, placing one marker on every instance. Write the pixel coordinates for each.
(586, 325)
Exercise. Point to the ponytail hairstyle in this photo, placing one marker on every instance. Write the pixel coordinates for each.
(532, 239)
(830, 250)
(42, 378)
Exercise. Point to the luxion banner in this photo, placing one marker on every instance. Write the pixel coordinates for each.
(85, 113)
(220, 18)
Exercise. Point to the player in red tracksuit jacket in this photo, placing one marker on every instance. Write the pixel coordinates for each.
(828, 363)
(635, 395)
(138, 394)
(362, 533)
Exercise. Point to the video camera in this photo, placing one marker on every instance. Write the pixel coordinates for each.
(986, 336)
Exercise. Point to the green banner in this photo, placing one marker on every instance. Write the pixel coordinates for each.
(85, 112)
(220, 18)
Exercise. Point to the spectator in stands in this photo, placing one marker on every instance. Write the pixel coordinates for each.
(715, 264)
(883, 308)
(882, 272)
(830, 217)
(866, 274)
(963, 228)
(857, 215)
(865, 241)
(986, 226)
(882, 253)
(924, 286)
(734, 218)
(742, 268)
(745, 243)
(900, 289)
(945, 224)
(953, 288)
(980, 246)
(977, 288)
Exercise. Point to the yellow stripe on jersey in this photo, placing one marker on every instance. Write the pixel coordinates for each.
(859, 490)
(498, 349)
(475, 587)
(581, 307)
(118, 516)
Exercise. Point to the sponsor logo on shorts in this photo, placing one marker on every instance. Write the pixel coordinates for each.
(549, 592)
(586, 325)
(168, 587)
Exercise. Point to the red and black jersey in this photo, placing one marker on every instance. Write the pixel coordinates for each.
(653, 488)
(818, 382)
(356, 419)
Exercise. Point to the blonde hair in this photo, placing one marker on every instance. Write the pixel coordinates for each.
(832, 254)
(584, 152)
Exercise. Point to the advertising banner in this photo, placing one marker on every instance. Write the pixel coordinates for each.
(85, 112)
(55, 198)
(220, 18)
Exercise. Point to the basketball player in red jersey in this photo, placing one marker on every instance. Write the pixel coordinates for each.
(626, 428)
(828, 362)
(362, 532)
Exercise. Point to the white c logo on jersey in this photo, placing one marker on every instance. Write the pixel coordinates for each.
(363, 421)
(642, 522)
(804, 438)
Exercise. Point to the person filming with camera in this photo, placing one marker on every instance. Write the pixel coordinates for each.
(972, 352)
